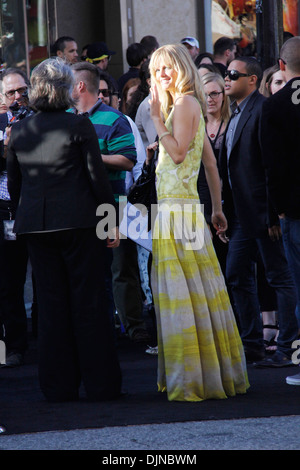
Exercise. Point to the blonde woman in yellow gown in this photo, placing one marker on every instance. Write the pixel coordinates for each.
(200, 353)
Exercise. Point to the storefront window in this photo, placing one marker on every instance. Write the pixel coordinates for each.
(36, 11)
(24, 41)
(237, 19)
(12, 35)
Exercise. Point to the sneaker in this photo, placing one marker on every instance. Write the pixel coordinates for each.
(13, 359)
(277, 360)
(152, 350)
(293, 379)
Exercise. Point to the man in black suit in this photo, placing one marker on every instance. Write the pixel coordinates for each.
(57, 180)
(280, 126)
(253, 224)
(13, 253)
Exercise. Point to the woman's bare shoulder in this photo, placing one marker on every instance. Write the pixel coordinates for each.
(188, 102)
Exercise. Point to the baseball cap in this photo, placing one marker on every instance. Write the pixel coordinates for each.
(98, 51)
(191, 41)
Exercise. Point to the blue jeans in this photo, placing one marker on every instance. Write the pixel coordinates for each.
(241, 277)
(291, 241)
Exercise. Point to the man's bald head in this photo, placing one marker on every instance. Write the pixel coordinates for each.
(290, 54)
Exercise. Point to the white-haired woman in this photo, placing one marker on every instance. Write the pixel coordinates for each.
(57, 179)
(200, 354)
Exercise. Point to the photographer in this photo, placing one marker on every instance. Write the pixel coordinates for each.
(13, 253)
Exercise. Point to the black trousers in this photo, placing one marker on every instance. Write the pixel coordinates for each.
(75, 334)
(13, 264)
(126, 286)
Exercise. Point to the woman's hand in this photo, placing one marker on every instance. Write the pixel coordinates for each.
(155, 107)
(219, 222)
(150, 152)
(113, 239)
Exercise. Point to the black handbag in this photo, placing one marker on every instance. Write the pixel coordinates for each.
(143, 190)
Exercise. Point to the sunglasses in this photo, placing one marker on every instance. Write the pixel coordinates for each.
(235, 74)
(105, 93)
(214, 94)
(21, 91)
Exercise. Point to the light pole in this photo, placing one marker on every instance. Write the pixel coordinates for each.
(269, 26)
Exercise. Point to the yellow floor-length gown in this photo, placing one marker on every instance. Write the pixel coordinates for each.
(200, 353)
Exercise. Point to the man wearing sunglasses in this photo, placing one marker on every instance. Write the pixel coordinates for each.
(252, 221)
(118, 150)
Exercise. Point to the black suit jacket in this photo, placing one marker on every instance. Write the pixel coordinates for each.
(247, 196)
(280, 138)
(56, 176)
(3, 125)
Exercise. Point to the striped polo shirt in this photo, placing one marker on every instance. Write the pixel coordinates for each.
(115, 138)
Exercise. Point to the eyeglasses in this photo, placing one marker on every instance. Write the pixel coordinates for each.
(235, 74)
(214, 95)
(105, 93)
(11, 93)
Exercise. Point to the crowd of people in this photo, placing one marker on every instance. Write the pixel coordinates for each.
(225, 291)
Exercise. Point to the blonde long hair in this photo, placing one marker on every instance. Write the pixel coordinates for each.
(188, 81)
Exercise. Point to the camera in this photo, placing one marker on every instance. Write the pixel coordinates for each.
(19, 112)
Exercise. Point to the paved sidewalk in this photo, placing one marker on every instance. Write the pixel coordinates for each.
(280, 433)
(266, 418)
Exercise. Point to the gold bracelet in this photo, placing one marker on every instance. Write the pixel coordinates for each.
(163, 135)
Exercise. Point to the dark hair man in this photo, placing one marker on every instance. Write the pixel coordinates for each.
(118, 151)
(150, 43)
(252, 221)
(224, 53)
(66, 48)
(280, 124)
(136, 55)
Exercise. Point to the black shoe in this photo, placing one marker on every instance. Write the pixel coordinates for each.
(14, 359)
(140, 336)
(253, 355)
(277, 360)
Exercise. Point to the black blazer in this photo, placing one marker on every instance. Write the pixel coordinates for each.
(247, 196)
(3, 125)
(280, 139)
(56, 176)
